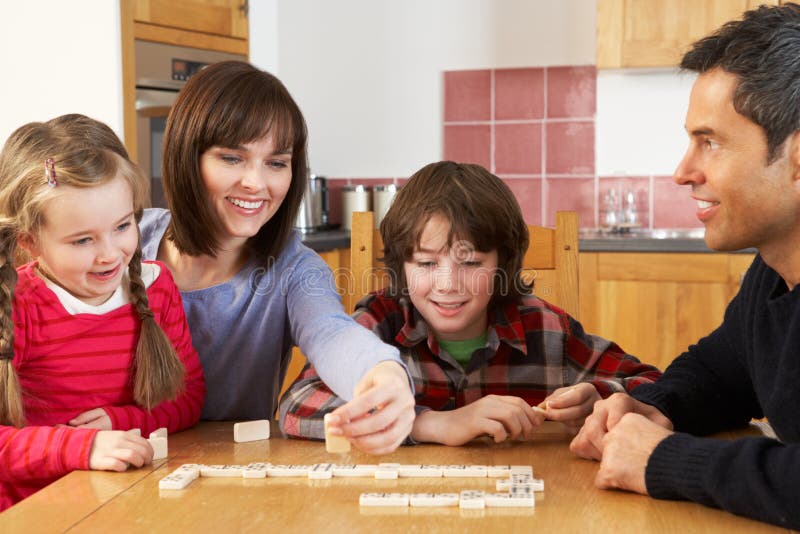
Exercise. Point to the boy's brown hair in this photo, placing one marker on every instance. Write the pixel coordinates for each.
(481, 209)
(229, 104)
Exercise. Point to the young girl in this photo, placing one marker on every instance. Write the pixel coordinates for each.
(234, 171)
(482, 350)
(92, 340)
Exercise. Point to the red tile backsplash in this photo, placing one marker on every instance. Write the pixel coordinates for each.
(518, 94)
(529, 195)
(535, 128)
(468, 144)
(571, 92)
(672, 205)
(467, 95)
(518, 148)
(570, 147)
(575, 194)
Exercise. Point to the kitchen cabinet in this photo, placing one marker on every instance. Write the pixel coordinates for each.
(656, 33)
(219, 25)
(654, 305)
(226, 18)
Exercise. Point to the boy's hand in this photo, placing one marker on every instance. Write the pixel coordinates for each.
(381, 414)
(571, 405)
(502, 417)
(607, 413)
(115, 450)
(97, 418)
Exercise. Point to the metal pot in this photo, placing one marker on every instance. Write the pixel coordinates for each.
(313, 213)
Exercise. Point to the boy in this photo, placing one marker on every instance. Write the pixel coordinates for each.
(481, 350)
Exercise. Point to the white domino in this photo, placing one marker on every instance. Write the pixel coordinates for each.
(157, 433)
(387, 471)
(461, 471)
(520, 469)
(360, 470)
(507, 500)
(419, 471)
(498, 471)
(383, 499)
(320, 471)
(334, 444)
(520, 481)
(251, 431)
(193, 470)
(159, 448)
(255, 470)
(433, 499)
(386, 474)
(288, 470)
(175, 481)
(472, 500)
(222, 471)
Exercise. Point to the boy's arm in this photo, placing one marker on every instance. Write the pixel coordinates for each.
(603, 363)
(305, 404)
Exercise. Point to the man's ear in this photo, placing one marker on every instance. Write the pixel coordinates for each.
(28, 241)
(794, 156)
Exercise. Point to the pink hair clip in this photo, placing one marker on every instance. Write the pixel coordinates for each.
(50, 172)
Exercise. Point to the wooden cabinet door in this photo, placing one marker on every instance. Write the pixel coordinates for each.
(654, 305)
(219, 17)
(656, 33)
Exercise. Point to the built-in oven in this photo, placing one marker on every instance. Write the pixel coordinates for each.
(161, 71)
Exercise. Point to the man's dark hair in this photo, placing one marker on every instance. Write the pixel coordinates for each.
(763, 51)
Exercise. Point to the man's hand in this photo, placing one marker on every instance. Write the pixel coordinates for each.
(381, 414)
(571, 405)
(115, 450)
(626, 449)
(97, 418)
(607, 413)
(501, 417)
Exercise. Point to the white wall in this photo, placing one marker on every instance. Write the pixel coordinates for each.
(640, 117)
(368, 73)
(59, 57)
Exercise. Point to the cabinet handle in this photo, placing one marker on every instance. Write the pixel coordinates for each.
(245, 8)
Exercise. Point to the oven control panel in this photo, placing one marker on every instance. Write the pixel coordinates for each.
(183, 69)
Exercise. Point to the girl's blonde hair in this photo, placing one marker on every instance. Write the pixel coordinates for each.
(84, 153)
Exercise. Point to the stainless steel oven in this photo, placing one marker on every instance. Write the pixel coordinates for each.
(161, 71)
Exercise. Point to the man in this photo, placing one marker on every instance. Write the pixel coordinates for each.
(743, 166)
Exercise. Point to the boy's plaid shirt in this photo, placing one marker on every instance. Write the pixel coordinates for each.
(532, 349)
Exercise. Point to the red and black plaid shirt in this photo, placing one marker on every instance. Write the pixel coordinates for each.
(532, 349)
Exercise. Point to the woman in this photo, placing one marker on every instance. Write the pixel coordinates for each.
(234, 171)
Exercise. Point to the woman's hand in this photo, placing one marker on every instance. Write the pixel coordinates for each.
(97, 418)
(381, 414)
(501, 417)
(115, 450)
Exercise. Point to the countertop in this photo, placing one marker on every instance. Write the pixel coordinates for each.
(590, 240)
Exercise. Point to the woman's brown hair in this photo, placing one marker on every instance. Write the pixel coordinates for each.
(481, 209)
(84, 153)
(229, 104)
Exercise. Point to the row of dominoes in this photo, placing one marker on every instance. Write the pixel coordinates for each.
(467, 499)
(517, 475)
(157, 439)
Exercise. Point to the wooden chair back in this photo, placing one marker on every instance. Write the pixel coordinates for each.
(551, 260)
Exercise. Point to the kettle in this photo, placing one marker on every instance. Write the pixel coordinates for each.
(313, 213)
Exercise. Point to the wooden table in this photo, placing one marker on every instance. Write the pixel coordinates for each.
(131, 502)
